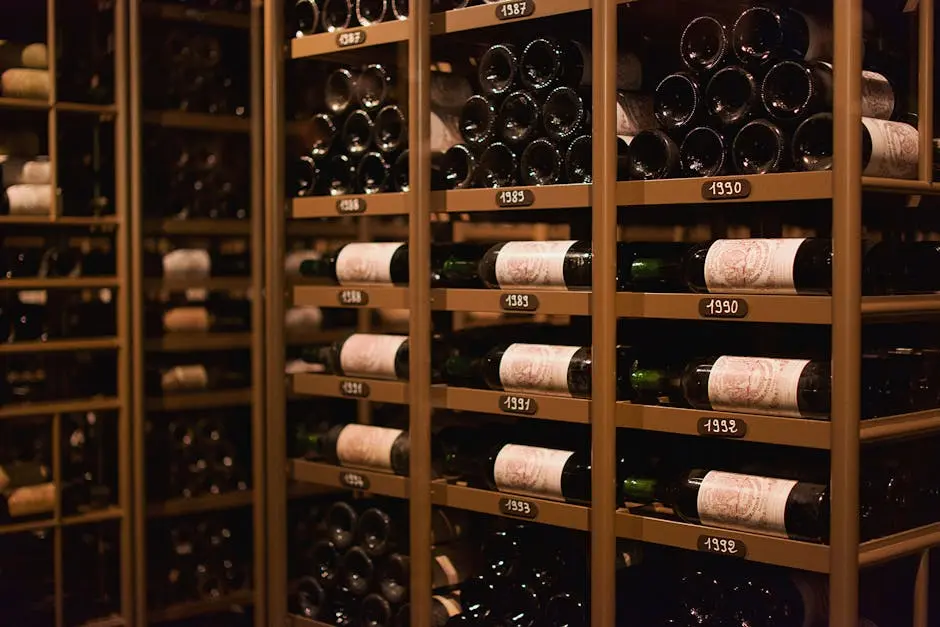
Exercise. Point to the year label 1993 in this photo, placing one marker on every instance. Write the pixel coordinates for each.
(514, 197)
(518, 507)
(515, 9)
(726, 190)
(354, 480)
(349, 38)
(358, 389)
(519, 302)
(353, 298)
(722, 546)
(722, 427)
(512, 404)
(722, 308)
(347, 206)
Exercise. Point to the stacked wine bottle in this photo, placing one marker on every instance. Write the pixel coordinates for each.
(25, 177)
(24, 71)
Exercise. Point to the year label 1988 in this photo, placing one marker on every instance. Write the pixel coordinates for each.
(722, 427)
(722, 546)
(519, 302)
(514, 197)
(726, 190)
(353, 298)
(518, 507)
(347, 206)
(354, 480)
(358, 389)
(512, 404)
(349, 38)
(722, 308)
(515, 9)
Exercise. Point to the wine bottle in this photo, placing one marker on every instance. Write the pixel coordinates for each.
(375, 611)
(336, 14)
(319, 134)
(635, 113)
(17, 171)
(28, 501)
(541, 163)
(19, 474)
(478, 121)
(540, 368)
(370, 12)
(306, 18)
(678, 101)
(372, 173)
(218, 316)
(704, 44)
(578, 161)
(303, 177)
(340, 89)
(323, 563)
(766, 505)
(395, 577)
(374, 86)
(497, 70)
(547, 62)
(309, 598)
(704, 152)
(540, 472)
(759, 148)
(25, 83)
(400, 9)
(653, 155)
(399, 178)
(340, 521)
(193, 264)
(360, 446)
(565, 115)
(889, 149)
(566, 610)
(341, 175)
(766, 32)
(518, 118)
(26, 200)
(358, 571)
(195, 377)
(458, 166)
(86, 486)
(32, 55)
(444, 607)
(497, 166)
(357, 132)
(732, 96)
(390, 130)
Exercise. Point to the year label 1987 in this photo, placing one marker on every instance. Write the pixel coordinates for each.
(519, 302)
(514, 197)
(347, 206)
(357, 389)
(722, 427)
(349, 38)
(722, 308)
(726, 190)
(515, 9)
(518, 507)
(353, 298)
(354, 480)
(512, 404)
(722, 546)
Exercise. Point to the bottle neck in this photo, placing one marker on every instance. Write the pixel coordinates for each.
(648, 380)
(308, 441)
(639, 490)
(455, 268)
(646, 269)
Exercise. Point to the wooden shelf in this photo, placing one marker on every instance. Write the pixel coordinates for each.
(760, 308)
(385, 484)
(181, 13)
(328, 385)
(24, 103)
(390, 204)
(553, 513)
(86, 107)
(484, 16)
(233, 284)
(324, 43)
(187, 342)
(764, 188)
(105, 343)
(201, 226)
(76, 283)
(559, 302)
(901, 425)
(109, 621)
(198, 121)
(199, 504)
(300, 621)
(96, 516)
(27, 527)
(547, 197)
(897, 545)
(199, 400)
(56, 220)
(488, 402)
(191, 609)
(332, 296)
(20, 410)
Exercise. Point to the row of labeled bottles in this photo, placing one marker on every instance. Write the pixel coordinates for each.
(38, 377)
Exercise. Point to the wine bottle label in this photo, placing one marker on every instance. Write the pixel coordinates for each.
(31, 500)
(187, 263)
(751, 266)
(370, 355)
(19, 171)
(186, 319)
(445, 132)
(877, 96)
(532, 264)
(629, 69)
(365, 446)
(756, 385)
(25, 83)
(29, 200)
(450, 604)
(295, 258)
(536, 368)
(894, 149)
(634, 113)
(530, 470)
(745, 502)
(181, 378)
(32, 297)
(814, 591)
(820, 38)
(451, 576)
(303, 319)
(366, 263)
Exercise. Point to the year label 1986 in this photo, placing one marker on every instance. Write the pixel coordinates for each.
(519, 302)
(353, 298)
(349, 38)
(726, 190)
(515, 9)
(358, 389)
(354, 480)
(722, 427)
(518, 507)
(514, 197)
(722, 308)
(347, 206)
(722, 546)
(512, 404)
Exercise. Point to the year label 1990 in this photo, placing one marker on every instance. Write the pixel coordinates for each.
(358, 389)
(515, 9)
(726, 190)
(722, 427)
(512, 404)
(518, 507)
(722, 308)
(722, 546)
(519, 302)
(354, 480)
(347, 206)
(514, 197)
(353, 298)
(349, 38)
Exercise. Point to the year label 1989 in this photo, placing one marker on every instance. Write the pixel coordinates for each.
(518, 507)
(347, 206)
(722, 308)
(349, 38)
(514, 197)
(726, 190)
(515, 9)
(722, 427)
(353, 298)
(354, 480)
(722, 546)
(519, 302)
(512, 404)
(358, 389)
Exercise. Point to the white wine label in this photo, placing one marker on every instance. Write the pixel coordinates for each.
(303, 319)
(536, 368)
(820, 38)
(366, 263)
(530, 470)
(365, 446)
(181, 378)
(756, 385)
(31, 500)
(293, 260)
(744, 502)
(370, 355)
(448, 568)
(532, 264)
(450, 604)
(25, 83)
(19, 171)
(634, 113)
(445, 132)
(751, 266)
(877, 96)
(186, 319)
(187, 263)
(29, 200)
(894, 149)
(32, 297)
(814, 592)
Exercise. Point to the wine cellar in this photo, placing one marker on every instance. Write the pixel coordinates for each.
(469, 313)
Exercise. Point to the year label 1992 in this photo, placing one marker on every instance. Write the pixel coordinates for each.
(726, 190)
(347, 206)
(514, 197)
(518, 507)
(353, 298)
(354, 480)
(349, 38)
(722, 427)
(519, 302)
(722, 546)
(358, 389)
(515, 9)
(722, 308)
(512, 404)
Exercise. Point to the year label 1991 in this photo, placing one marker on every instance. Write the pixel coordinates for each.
(722, 546)
(726, 190)
(512, 404)
(347, 206)
(518, 507)
(354, 480)
(358, 389)
(515, 9)
(349, 38)
(514, 197)
(722, 427)
(519, 302)
(353, 298)
(722, 308)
